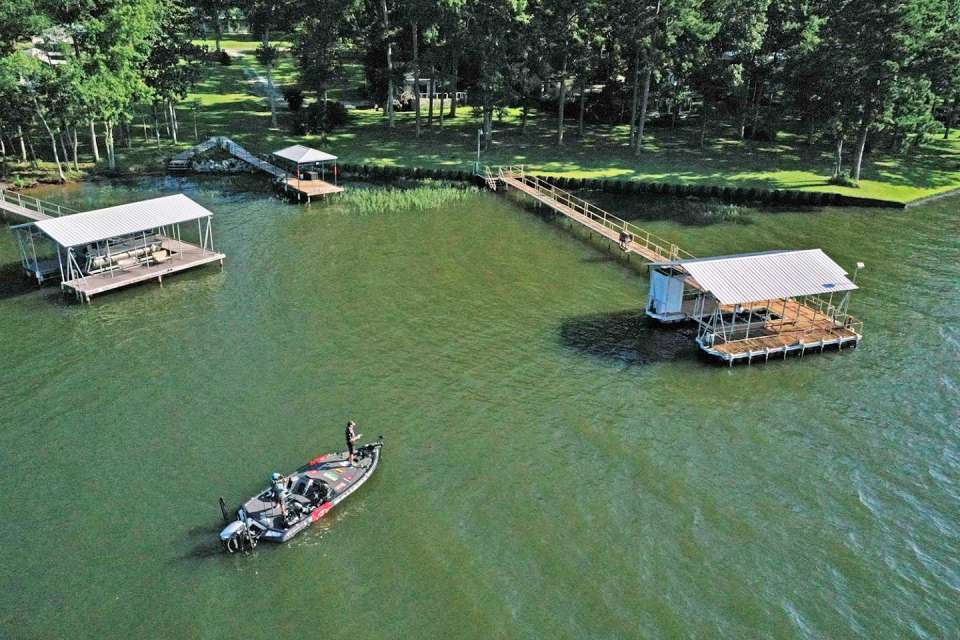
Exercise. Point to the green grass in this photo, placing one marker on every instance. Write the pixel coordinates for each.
(224, 104)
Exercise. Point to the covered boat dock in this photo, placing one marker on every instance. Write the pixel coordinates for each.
(310, 171)
(104, 249)
(756, 305)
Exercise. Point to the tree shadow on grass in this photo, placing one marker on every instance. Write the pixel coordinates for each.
(628, 337)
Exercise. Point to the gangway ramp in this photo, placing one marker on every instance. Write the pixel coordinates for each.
(630, 237)
(29, 208)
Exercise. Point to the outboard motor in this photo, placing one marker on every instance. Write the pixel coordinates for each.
(239, 535)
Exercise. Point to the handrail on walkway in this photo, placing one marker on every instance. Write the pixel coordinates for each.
(663, 248)
(34, 204)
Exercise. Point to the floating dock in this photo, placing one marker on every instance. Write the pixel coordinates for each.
(747, 307)
(105, 249)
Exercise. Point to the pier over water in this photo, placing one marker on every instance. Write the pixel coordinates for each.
(746, 307)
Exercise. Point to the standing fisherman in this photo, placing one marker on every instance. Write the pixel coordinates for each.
(352, 437)
(280, 493)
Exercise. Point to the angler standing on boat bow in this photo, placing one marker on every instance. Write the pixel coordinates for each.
(352, 437)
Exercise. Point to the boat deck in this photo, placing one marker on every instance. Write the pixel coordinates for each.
(183, 256)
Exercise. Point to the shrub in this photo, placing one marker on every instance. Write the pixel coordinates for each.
(294, 98)
(224, 58)
(321, 117)
(843, 179)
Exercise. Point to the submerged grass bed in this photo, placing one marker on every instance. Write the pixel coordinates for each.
(428, 195)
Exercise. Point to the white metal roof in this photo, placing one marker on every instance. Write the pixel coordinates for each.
(92, 226)
(303, 155)
(768, 276)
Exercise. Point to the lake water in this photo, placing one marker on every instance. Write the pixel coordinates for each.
(554, 465)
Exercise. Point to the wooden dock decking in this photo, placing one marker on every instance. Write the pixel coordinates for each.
(798, 327)
(183, 256)
(311, 188)
(641, 242)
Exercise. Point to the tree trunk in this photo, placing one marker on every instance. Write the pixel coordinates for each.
(273, 106)
(647, 74)
(33, 154)
(430, 96)
(583, 107)
(156, 124)
(416, 79)
(744, 104)
(861, 145)
(93, 142)
(173, 122)
(23, 145)
(111, 150)
(635, 100)
(838, 157)
(563, 100)
(386, 36)
(704, 115)
(219, 26)
(523, 119)
(76, 146)
(487, 119)
(63, 144)
(950, 117)
(53, 138)
(757, 99)
(453, 103)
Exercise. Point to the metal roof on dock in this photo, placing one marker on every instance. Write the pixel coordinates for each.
(125, 219)
(304, 155)
(770, 275)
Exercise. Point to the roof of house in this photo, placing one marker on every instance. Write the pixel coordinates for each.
(100, 224)
(303, 155)
(772, 275)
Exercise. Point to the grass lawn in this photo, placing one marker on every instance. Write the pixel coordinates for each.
(224, 103)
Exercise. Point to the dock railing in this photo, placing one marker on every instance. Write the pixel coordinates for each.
(42, 207)
(832, 311)
(665, 250)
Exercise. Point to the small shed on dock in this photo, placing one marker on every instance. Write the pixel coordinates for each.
(759, 303)
(103, 249)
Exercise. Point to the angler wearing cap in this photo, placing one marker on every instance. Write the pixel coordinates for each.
(280, 492)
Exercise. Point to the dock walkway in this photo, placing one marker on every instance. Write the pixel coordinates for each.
(29, 208)
(796, 326)
(181, 161)
(631, 238)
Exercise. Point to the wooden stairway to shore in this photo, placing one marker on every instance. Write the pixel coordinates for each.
(181, 161)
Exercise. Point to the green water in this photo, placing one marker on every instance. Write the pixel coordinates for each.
(555, 466)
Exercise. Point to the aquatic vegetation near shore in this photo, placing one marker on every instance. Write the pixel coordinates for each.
(716, 213)
(391, 200)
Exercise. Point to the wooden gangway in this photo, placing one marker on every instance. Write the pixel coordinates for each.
(782, 326)
(30, 208)
(632, 239)
(181, 161)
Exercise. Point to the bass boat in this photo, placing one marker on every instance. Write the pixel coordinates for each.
(308, 494)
